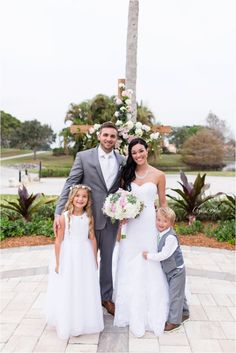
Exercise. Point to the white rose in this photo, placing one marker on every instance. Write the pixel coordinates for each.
(121, 85)
(130, 124)
(139, 132)
(154, 136)
(129, 116)
(118, 122)
(146, 128)
(91, 130)
(138, 125)
(128, 101)
(118, 101)
(117, 114)
(97, 126)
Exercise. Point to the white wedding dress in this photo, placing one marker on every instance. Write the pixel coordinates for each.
(141, 290)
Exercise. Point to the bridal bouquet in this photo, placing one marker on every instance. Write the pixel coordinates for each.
(122, 205)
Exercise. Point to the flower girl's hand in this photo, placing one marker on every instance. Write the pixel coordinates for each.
(145, 254)
(57, 269)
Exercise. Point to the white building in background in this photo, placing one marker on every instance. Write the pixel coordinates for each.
(170, 146)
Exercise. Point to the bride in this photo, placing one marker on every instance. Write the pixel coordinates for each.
(141, 291)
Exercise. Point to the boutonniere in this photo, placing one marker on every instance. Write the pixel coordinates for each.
(123, 163)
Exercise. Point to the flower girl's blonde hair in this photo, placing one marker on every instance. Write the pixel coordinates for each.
(88, 208)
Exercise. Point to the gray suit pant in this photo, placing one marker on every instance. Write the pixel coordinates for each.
(106, 239)
(178, 303)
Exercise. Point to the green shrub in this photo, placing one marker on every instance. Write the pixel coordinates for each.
(62, 172)
(20, 227)
(195, 227)
(225, 231)
(46, 211)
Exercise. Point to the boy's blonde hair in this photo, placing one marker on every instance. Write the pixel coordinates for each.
(168, 213)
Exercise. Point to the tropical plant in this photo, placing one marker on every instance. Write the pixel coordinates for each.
(192, 195)
(26, 204)
(231, 202)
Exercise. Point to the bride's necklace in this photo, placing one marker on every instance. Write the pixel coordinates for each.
(142, 176)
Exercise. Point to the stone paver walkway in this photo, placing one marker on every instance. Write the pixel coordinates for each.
(211, 280)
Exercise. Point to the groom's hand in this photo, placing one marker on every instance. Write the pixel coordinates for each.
(56, 224)
(145, 254)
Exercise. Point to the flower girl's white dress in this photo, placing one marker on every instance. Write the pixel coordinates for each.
(73, 301)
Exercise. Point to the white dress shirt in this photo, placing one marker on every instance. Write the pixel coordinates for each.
(168, 249)
(109, 166)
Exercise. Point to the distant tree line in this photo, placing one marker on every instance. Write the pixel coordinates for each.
(201, 146)
(30, 134)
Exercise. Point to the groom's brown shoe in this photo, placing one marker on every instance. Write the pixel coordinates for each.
(109, 306)
(171, 327)
(185, 318)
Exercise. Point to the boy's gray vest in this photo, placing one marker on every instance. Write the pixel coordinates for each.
(176, 259)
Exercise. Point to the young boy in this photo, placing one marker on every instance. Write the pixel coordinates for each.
(171, 258)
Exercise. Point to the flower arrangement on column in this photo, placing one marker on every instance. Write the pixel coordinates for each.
(127, 129)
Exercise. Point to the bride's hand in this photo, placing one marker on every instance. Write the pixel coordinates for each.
(123, 222)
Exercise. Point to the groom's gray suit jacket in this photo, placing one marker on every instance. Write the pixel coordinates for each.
(86, 170)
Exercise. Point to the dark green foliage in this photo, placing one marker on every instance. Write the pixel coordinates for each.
(20, 227)
(62, 172)
(231, 203)
(192, 195)
(46, 211)
(195, 227)
(225, 231)
(33, 135)
(179, 135)
(26, 204)
(9, 124)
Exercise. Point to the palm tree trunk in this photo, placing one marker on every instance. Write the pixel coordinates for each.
(131, 52)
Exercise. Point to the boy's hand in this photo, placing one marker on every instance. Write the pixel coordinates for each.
(145, 254)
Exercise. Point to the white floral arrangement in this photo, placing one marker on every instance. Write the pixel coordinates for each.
(122, 205)
(127, 129)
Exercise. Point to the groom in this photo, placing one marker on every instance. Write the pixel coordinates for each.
(99, 168)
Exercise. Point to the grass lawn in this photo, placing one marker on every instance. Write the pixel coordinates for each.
(47, 159)
(8, 152)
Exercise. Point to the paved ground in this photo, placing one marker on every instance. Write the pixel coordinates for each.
(211, 279)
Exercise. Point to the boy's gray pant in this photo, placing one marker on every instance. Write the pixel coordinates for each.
(178, 303)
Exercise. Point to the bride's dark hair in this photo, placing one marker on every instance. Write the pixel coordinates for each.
(128, 172)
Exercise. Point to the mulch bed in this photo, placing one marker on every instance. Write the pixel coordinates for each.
(191, 240)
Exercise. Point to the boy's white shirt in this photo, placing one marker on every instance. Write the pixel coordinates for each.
(168, 249)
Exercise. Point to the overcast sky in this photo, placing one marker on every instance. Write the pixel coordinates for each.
(55, 52)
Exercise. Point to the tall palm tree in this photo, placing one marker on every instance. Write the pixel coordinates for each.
(131, 52)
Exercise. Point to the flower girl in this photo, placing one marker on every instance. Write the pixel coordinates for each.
(73, 301)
